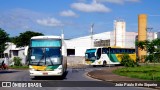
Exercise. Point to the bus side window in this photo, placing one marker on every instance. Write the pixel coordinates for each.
(113, 51)
(130, 51)
(117, 50)
(133, 50)
(122, 50)
(98, 53)
(126, 51)
(104, 51)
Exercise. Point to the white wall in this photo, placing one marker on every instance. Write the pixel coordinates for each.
(22, 55)
(11, 49)
(130, 39)
(10, 46)
(80, 51)
(82, 43)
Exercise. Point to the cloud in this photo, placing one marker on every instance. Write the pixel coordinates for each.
(50, 22)
(93, 7)
(17, 18)
(68, 13)
(113, 1)
(133, 0)
(15, 21)
(118, 1)
(24, 19)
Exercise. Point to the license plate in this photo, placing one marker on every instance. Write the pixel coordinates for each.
(45, 73)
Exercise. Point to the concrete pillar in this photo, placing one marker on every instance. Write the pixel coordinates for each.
(142, 34)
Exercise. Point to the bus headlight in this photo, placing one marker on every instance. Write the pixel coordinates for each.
(59, 68)
(31, 69)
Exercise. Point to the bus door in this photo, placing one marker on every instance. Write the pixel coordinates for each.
(98, 54)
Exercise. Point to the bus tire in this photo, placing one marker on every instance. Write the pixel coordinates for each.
(32, 77)
(104, 63)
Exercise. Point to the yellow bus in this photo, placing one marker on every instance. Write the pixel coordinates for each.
(45, 56)
(107, 55)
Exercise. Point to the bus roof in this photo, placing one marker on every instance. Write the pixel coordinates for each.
(119, 47)
(111, 47)
(46, 37)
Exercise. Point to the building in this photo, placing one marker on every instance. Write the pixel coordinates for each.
(77, 46)
(117, 37)
(119, 33)
(12, 51)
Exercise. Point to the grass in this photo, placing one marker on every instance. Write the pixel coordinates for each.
(147, 72)
(18, 67)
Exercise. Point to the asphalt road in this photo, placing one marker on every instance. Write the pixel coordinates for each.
(76, 75)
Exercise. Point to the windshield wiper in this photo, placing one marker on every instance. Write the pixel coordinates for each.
(40, 59)
(50, 60)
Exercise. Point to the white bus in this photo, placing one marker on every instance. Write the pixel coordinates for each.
(107, 55)
(45, 56)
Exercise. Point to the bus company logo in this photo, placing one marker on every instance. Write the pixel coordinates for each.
(6, 84)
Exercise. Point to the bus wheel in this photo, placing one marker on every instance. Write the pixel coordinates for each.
(104, 63)
(32, 77)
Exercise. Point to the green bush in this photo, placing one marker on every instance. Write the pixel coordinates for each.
(17, 61)
(19, 67)
(156, 57)
(149, 58)
(127, 61)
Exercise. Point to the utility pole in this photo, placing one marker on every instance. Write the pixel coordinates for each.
(115, 32)
(62, 34)
(92, 25)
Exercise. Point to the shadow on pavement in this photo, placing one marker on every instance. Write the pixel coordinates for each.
(7, 71)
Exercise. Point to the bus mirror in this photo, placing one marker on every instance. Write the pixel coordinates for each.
(26, 50)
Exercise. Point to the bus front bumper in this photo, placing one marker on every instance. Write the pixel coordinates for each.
(46, 73)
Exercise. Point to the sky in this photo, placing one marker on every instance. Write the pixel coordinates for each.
(75, 17)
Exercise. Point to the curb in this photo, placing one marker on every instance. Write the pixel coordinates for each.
(113, 82)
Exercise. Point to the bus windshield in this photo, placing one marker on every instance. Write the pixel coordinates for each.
(45, 56)
(90, 54)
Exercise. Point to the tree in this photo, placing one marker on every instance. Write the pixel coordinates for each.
(156, 42)
(11, 39)
(24, 38)
(17, 61)
(3, 39)
(127, 61)
(151, 47)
